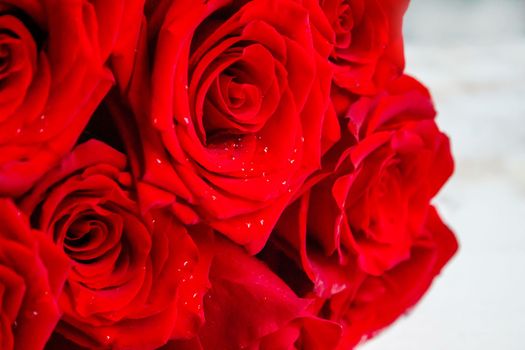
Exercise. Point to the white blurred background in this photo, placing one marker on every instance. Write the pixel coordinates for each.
(471, 54)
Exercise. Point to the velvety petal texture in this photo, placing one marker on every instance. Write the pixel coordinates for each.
(368, 50)
(54, 71)
(239, 112)
(132, 272)
(32, 274)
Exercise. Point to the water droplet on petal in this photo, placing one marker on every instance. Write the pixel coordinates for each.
(248, 224)
(186, 120)
(291, 161)
(155, 121)
(261, 222)
(185, 263)
(213, 197)
(302, 138)
(266, 149)
(19, 131)
(34, 313)
(41, 130)
(284, 182)
(194, 296)
(158, 160)
(233, 157)
(199, 306)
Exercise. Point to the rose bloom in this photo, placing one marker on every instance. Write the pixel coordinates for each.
(365, 239)
(368, 50)
(239, 112)
(54, 58)
(375, 202)
(133, 282)
(374, 302)
(32, 274)
(249, 307)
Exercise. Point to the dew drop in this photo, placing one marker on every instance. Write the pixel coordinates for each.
(284, 182)
(41, 130)
(158, 160)
(191, 277)
(213, 197)
(155, 121)
(199, 306)
(186, 87)
(266, 149)
(34, 313)
(185, 303)
(248, 224)
(233, 157)
(194, 296)
(261, 222)
(19, 131)
(291, 161)
(186, 263)
(186, 120)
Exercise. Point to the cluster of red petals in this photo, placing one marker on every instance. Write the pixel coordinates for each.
(218, 174)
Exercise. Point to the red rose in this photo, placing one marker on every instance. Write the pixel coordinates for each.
(375, 202)
(368, 48)
(239, 113)
(249, 307)
(377, 301)
(133, 283)
(52, 56)
(32, 273)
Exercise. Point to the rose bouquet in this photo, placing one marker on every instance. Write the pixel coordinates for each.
(220, 174)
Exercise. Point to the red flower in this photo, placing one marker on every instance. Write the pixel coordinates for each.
(368, 48)
(377, 301)
(249, 307)
(239, 113)
(32, 273)
(53, 75)
(133, 275)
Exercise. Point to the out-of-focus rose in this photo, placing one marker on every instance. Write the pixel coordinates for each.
(376, 301)
(133, 283)
(32, 274)
(54, 71)
(249, 307)
(368, 50)
(374, 204)
(239, 113)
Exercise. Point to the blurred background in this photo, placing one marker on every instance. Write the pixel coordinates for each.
(471, 54)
